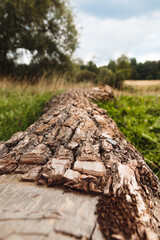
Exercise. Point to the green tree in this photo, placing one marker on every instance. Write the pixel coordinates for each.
(90, 66)
(151, 69)
(85, 76)
(120, 77)
(122, 62)
(112, 65)
(123, 68)
(44, 29)
(133, 66)
(106, 77)
(141, 71)
(133, 62)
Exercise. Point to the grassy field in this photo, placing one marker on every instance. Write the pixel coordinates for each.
(141, 87)
(19, 109)
(22, 104)
(142, 83)
(139, 120)
(136, 114)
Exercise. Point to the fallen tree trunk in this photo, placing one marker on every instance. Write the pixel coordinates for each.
(75, 145)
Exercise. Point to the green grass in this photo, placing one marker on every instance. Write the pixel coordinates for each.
(139, 120)
(19, 109)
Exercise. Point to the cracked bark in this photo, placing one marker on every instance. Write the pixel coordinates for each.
(77, 146)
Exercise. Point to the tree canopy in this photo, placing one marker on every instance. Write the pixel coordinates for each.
(43, 29)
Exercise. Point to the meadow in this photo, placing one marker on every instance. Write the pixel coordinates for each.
(138, 118)
(136, 111)
(19, 109)
(22, 104)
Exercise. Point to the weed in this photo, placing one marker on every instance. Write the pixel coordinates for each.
(138, 119)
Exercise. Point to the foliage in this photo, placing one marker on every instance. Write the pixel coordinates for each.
(43, 29)
(121, 75)
(106, 77)
(112, 65)
(19, 109)
(148, 70)
(123, 62)
(116, 72)
(138, 119)
(85, 75)
(101, 75)
(133, 70)
(90, 66)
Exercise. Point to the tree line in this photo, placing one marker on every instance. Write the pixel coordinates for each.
(137, 71)
(118, 70)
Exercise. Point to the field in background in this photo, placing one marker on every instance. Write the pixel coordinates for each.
(136, 110)
(142, 83)
(141, 87)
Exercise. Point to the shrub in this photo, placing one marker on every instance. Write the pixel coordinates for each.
(86, 75)
(121, 75)
(106, 77)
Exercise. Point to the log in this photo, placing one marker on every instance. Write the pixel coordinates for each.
(78, 150)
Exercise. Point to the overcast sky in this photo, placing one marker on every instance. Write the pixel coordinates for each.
(109, 28)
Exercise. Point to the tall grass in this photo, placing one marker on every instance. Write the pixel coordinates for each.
(21, 104)
(19, 109)
(42, 84)
(139, 120)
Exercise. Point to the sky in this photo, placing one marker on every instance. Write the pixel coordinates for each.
(110, 28)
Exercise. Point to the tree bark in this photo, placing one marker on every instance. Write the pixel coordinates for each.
(75, 145)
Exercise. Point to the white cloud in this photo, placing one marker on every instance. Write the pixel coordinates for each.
(149, 56)
(109, 38)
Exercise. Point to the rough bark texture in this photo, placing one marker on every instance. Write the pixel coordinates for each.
(76, 145)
